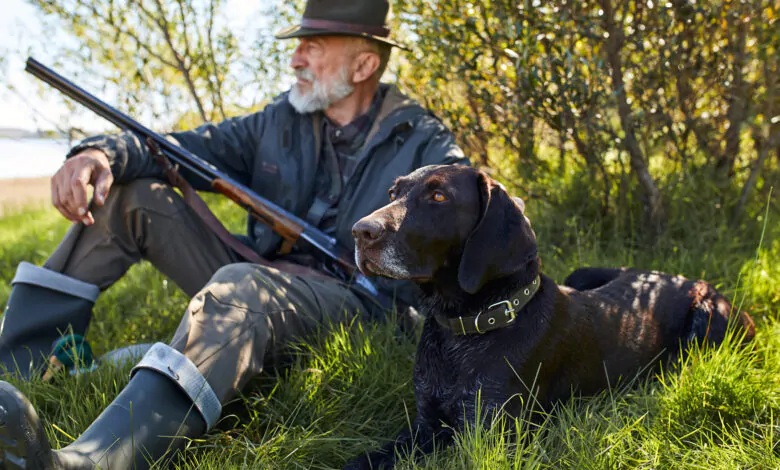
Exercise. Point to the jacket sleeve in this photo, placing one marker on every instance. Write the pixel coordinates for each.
(230, 146)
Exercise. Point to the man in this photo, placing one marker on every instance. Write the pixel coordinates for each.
(326, 150)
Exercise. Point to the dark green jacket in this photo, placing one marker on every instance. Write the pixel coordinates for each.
(275, 152)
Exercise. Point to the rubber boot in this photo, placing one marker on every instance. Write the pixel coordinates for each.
(43, 306)
(147, 422)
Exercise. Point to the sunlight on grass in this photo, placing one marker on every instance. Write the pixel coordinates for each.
(349, 390)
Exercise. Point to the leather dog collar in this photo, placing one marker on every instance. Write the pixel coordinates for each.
(498, 315)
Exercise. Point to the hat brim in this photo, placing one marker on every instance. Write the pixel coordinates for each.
(299, 31)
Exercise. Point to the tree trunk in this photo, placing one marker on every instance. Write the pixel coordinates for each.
(763, 143)
(562, 153)
(594, 162)
(738, 104)
(651, 195)
(762, 147)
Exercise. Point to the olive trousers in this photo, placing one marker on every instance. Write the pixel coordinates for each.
(240, 315)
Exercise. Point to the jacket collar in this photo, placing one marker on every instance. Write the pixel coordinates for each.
(396, 109)
(394, 101)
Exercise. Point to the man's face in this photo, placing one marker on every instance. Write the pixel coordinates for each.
(322, 67)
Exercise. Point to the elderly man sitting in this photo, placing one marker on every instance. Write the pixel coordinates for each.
(326, 150)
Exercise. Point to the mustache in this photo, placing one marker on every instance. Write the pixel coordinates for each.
(305, 74)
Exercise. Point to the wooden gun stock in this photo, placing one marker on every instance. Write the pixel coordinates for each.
(289, 229)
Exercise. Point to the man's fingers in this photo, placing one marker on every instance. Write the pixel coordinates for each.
(60, 191)
(55, 194)
(71, 183)
(78, 188)
(64, 197)
(103, 184)
(87, 219)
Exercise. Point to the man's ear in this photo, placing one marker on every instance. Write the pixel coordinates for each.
(366, 64)
(502, 242)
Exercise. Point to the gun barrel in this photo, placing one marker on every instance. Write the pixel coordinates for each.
(182, 157)
(259, 207)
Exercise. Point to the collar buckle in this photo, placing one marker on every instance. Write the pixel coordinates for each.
(508, 310)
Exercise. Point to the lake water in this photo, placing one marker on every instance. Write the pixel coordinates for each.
(29, 158)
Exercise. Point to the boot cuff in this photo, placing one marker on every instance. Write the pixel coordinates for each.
(28, 273)
(176, 366)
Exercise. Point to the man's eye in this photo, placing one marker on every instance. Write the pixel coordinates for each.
(393, 194)
(315, 49)
(439, 196)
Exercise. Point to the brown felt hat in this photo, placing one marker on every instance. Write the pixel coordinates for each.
(365, 18)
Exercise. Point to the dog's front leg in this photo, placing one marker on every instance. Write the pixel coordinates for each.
(421, 439)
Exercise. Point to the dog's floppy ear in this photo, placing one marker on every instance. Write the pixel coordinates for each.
(501, 243)
(520, 203)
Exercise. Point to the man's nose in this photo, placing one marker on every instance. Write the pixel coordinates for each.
(296, 60)
(368, 230)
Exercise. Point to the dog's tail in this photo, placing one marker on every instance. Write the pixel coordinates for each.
(711, 314)
(591, 278)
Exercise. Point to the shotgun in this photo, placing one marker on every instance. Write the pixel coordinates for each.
(294, 230)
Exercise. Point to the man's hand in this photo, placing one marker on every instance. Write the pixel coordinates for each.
(69, 184)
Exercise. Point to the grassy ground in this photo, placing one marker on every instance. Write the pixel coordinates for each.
(349, 390)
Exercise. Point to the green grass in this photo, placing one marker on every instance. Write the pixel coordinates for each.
(349, 390)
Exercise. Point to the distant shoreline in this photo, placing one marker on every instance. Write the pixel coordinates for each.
(14, 133)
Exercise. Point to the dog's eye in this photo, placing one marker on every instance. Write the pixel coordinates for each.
(439, 196)
(393, 194)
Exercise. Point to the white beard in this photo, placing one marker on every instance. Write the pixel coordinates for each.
(321, 96)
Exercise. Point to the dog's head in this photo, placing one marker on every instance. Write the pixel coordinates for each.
(446, 218)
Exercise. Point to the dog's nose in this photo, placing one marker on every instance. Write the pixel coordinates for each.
(368, 230)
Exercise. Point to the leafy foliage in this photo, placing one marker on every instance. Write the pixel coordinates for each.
(161, 57)
(602, 90)
(616, 87)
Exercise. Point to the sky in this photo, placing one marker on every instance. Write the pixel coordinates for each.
(24, 29)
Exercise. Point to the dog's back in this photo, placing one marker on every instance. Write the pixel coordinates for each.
(693, 311)
(625, 320)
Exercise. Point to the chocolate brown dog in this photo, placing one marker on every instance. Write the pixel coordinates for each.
(496, 324)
